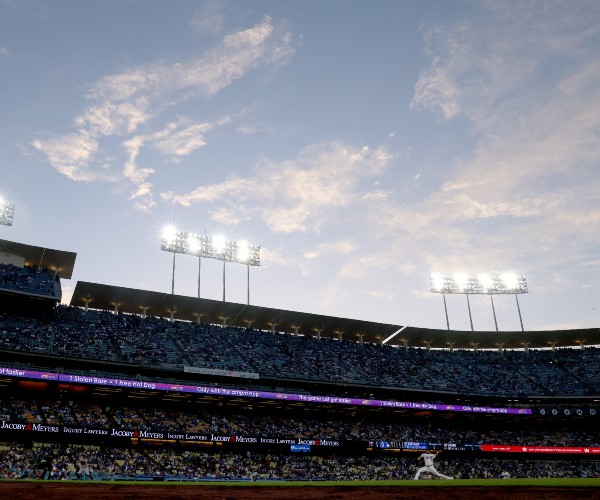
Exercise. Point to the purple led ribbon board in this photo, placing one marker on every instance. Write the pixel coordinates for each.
(222, 391)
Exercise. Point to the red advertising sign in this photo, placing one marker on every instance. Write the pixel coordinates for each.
(539, 449)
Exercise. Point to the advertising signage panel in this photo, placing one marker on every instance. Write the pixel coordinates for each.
(181, 435)
(46, 431)
(223, 391)
(17, 372)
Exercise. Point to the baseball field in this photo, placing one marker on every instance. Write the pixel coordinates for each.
(530, 489)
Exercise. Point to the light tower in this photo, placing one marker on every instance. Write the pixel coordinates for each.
(211, 247)
(481, 284)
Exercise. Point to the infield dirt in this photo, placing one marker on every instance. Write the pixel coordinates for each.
(104, 491)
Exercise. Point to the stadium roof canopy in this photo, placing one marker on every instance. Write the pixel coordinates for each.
(56, 260)
(128, 300)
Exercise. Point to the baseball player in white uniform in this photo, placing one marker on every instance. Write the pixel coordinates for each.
(428, 466)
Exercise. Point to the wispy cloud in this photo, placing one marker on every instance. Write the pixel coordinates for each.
(248, 129)
(477, 65)
(297, 194)
(123, 103)
(341, 247)
(210, 18)
(181, 138)
(437, 92)
(71, 155)
(526, 76)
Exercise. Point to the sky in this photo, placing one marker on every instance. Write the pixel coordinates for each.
(363, 144)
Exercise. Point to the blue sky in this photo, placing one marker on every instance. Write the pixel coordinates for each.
(362, 144)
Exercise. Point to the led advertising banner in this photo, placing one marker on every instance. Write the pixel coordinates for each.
(540, 449)
(303, 448)
(179, 435)
(423, 446)
(411, 445)
(17, 372)
(223, 391)
(301, 443)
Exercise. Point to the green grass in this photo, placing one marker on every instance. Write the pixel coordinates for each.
(539, 482)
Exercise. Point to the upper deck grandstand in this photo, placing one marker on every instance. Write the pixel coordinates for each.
(130, 330)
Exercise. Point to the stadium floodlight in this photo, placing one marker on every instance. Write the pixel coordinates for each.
(7, 212)
(437, 282)
(462, 280)
(486, 282)
(194, 244)
(219, 244)
(480, 284)
(215, 247)
(243, 251)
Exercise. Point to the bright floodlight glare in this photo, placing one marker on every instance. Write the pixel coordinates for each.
(216, 247)
(218, 243)
(486, 281)
(169, 234)
(193, 243)
(461, 280)
(437, 282)
(243, 251)
(510, 280)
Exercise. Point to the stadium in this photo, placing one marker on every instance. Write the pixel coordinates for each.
(170, 392)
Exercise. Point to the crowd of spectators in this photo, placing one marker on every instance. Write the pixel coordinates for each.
(157, 342)
(32, 280)
(57, 462)
(361, 426)
(16, 462)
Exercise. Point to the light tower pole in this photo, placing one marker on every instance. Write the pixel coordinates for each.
(173, 277)
(494, 311)
(519, 309)
(469, 308)
(446, 311)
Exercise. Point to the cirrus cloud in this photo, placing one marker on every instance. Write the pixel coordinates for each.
(124, 103)
(296, 194)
